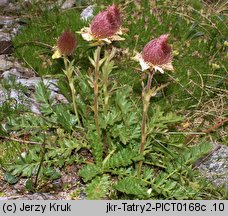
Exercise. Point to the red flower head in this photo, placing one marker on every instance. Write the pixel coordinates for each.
(106, 23)
(67, 43)
(156, 55)
(158, 51)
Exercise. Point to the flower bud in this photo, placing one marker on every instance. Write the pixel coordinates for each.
(106, 23)
(158, 51)
(67, 43)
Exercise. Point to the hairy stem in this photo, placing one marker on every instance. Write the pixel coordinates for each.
(106, 95)
(146, 102)
(96, 79)
(72, 89)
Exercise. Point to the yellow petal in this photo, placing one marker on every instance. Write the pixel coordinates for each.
(157, 68)
(168, 66)
(117, 38)
(143, 64)
(57, 54)
(120, 32)
(138, 57)
(87, 36)
(106, 40)
(149, 191)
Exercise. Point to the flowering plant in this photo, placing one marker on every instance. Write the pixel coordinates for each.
(156, 55)
(105, 26)
(66, 45)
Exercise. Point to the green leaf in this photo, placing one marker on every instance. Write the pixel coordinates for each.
(11, 179)
(109, 63)
(122, 158)
(172, 189)
(92, 61)
(159, 121)
(122, 100)
(160, 147)
(96, 146)
(29, 185)
(51, 173)
(64, 118)
(28, 122)
(64, 87)
(89, 171)
(192, 154)
(131, 185)
(125, 133)
(42, 95)
(27, 165)
(112, 117)
(98, 188)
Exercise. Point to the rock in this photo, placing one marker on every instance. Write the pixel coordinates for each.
(6, 47)
(215, 168)
(68, 4)
(18, 71)
(10, 8)
(32, 82)
(11, 72)
(87, 13)
(6, 21)
(9, 27)
(18, 97)
(4, 36)
(28, 99)
(4, 63)
(4, 3)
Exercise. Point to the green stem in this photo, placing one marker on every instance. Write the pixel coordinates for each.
(146, 102)
(72, 89)
(96, 90)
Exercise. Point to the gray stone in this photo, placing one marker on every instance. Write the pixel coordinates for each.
(9, 27)
(18, 71)
(87, 13)
(215, 168)
(6, 21)
(6, 47)
(28, 99)
(10, 6)
(32, 82)
(58, 97)
(4, 36)
(11, 72)
(4, 3)
(4, 63)
(20, 98)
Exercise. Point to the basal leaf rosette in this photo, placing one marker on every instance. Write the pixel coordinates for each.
(105, 26)
(156, 55)
(66, 45)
